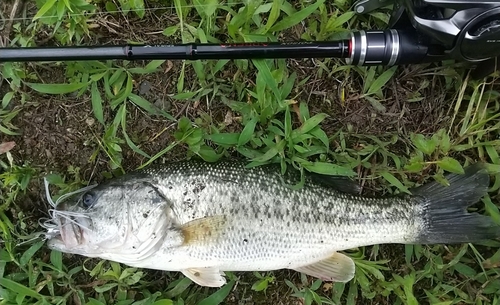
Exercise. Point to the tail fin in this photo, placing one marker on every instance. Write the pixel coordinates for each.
(446, 219)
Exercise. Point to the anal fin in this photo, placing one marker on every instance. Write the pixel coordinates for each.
(208, 277)
(336, 268)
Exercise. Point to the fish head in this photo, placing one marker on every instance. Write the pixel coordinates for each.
(121, 217)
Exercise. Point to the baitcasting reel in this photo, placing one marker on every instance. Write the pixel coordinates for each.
(463, 30)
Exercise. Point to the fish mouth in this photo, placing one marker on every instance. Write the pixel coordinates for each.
(71, 233)
(71, 230)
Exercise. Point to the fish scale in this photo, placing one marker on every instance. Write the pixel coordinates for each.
(225, 217)
(314, 220)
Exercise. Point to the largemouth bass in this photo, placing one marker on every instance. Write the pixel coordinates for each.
(206, 218)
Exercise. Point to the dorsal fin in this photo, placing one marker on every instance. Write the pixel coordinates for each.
(339, 183)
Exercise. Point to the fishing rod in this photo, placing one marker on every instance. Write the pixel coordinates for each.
(419, 31)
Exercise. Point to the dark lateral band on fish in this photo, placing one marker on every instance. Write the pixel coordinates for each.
(206, 218)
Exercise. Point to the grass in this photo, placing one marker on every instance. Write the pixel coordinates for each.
(391, 128)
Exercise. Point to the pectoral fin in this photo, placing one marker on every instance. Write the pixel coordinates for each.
(337, 268)
(209, 277)
(203, 229)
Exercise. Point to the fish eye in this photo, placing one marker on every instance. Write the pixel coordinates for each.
(88, 199)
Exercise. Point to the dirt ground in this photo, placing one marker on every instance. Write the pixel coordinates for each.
(60, 131)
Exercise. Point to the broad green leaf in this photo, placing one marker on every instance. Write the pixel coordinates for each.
(208, 154)
(311, 123)
(122, 112)
(199, 70)
(97, 103)
(304, 112)
(180, 286)
(395, 182)
(116, 76)
(164, 302)
(369, 76)
(288, 124)
(337, 21)
(105, 287)
(19, 288)
(287, 88)
(98, 76)
(248, 153)
(319, 134)
(56, 259)
(56, 88)
(7, 98)
(380, 81)
(143, 103)
(194, 138)
(159, 154)
(28, 254)
(492, 210)
(111, 7)
(171, 30)
(493, 286)
(260, 285)
(218, 296)
(427, 146)
(8, 131)
(326, 168)
(443, 140)
(148, 69)
(273, 151)
(273, 16)
(180, 80)
(44, 9)
(224, 138)
(210, 6)
(415, 167)
(375, 103)
(247, 132)
(493, 154)
(264, 70)
(61, 9)
(296, 18)
(93, 301)
(451, 165)
(465, 270)
(138, 6)
(184, 95)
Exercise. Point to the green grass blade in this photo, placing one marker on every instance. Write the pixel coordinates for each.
(247, 133)
(123, 114)
(28, 254)
(394, 182)
(328, 169)
(380, 81)
(44, 9)
(296, 18)
(97, 103)
(56, 88)
(263, 68)
(19, 289)
(218, 296)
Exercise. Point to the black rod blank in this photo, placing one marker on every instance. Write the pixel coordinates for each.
(337, 49)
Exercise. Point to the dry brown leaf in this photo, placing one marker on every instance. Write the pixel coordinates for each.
(6, 146)
(327, 287)
(228, 119)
